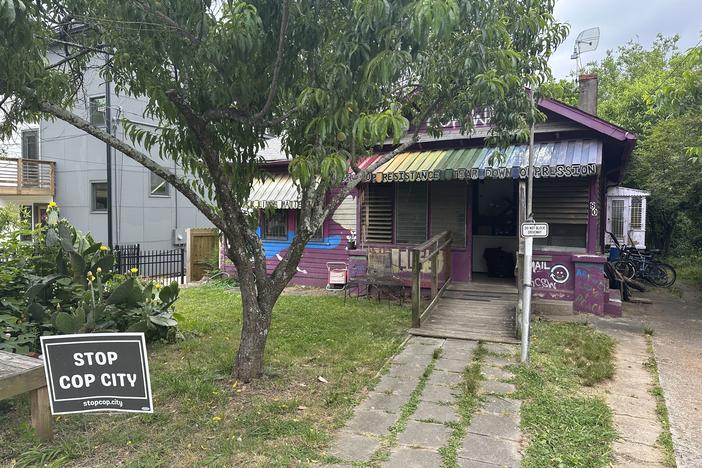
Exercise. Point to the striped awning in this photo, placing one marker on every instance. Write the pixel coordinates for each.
(279, 192)
(571, 158)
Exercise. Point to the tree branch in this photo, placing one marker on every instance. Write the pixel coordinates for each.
(132, 153)
(278, 62)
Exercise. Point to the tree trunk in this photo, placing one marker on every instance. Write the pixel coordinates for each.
(256, 322)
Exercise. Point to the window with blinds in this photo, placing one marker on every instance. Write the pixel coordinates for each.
(411, 213)
(448, 210)
(636, 212)
(377, 213)
(563, 203)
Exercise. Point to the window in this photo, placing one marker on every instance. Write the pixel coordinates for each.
(275, 225)
(97, 110)
(618, 219)
(636, 212)
(448, 210)
(377, 213)
(564, 204)
(411, 213)
(98, 191)
(30, 144)
(159, 187)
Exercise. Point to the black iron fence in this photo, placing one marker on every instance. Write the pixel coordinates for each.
(162, 265)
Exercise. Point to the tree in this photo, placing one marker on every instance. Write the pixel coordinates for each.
(333, 78)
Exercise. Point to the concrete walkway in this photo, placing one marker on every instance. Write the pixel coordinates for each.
(677, 342)
(633, 406)
(494, 437)
(411, 414)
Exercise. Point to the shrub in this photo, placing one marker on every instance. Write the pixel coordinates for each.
(62, 282)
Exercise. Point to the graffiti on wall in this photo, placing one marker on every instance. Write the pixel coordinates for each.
(554, 275)
(589, 289)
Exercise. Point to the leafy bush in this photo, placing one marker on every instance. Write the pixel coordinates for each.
(62, 282)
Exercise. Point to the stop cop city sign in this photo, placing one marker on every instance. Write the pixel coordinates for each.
(97, 372)
(537, 230)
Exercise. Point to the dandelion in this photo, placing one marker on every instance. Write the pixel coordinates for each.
(216, 418)
(52, 204)
(157, 286)
(104, 248)
(99, 270)
(134, 270)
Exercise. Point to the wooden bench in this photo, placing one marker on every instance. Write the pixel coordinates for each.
(21, 374)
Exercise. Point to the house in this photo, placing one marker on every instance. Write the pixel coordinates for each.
(451, 184)
(626, 216)
(27, 181)
(145, 210)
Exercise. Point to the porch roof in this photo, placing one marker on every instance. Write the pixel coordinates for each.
(279, 191)
(570, 158)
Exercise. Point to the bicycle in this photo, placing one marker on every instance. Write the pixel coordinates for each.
(635, 264)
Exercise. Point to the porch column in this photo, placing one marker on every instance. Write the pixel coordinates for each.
(594, 233)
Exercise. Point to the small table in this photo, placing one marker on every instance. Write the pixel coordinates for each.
(20, 374)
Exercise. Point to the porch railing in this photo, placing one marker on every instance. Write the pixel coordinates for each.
(428, 254)
(27, 177)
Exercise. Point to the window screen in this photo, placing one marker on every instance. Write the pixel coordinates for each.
(99, 196)
(618, 219)
(97, 110)
(636, 212)
(275, 225)
(448, 210)
(411, 213)
(377, 213)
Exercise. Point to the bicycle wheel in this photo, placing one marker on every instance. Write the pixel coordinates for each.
(625, 268)
(665, 275)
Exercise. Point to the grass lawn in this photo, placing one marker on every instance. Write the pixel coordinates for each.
(202, 416)
(564, 422)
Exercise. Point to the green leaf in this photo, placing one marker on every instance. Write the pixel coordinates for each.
(140, 326)
(66, 323)
(163, 321)
(126, 293)
(36, 312)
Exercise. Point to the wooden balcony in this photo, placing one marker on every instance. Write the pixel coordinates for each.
(27, 177)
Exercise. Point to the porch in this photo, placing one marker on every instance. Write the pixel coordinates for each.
(27, 177)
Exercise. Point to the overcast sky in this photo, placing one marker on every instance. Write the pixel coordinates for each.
(621, 21)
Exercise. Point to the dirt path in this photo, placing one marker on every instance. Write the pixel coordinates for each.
(677, 341)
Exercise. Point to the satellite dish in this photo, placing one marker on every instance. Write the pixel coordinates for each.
(587, 41)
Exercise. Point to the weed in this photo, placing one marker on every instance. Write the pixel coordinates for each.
(665, 439)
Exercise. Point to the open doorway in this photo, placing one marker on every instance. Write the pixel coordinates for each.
(495, 213)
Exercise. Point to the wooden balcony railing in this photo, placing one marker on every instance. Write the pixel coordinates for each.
(429, 252)
(27, 177)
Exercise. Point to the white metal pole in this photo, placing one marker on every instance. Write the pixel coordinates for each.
(528, 244)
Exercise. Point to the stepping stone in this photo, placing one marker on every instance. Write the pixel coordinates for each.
(462, 346)
(406, 457)
(372, 422)
(419, 350)
(501, 406)
(452, 365)
(425, 435)
(504, 427)
(497, 361)
(498, 388)
(426, 341)
(396, 386)
(407, 371)
(427, 410)
(490, 450)
(500, 348)
(496, 373)
(438, 393)
(466, 463)
(383, 402)
(353, 447)
(441, 377)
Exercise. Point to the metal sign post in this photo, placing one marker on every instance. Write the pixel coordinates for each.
(528, 244)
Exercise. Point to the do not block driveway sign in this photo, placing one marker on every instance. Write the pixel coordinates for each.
(97, 372)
